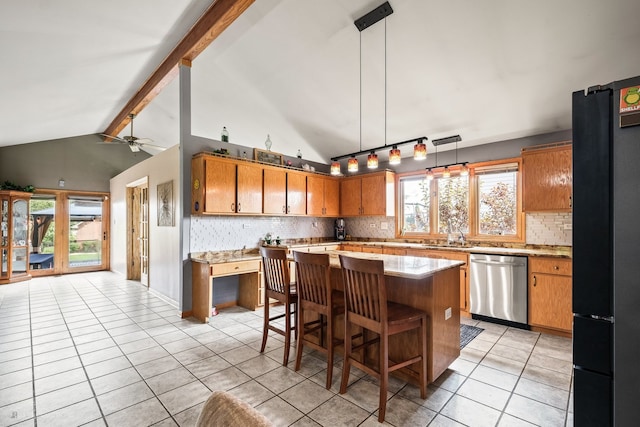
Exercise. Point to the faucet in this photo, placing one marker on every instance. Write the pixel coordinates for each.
(461, 239)
(449, 233)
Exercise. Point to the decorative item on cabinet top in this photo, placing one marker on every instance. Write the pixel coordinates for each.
(268, 157)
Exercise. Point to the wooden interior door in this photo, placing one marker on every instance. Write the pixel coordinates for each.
(144, 234)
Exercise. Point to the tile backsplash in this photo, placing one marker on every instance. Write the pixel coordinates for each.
(237, 232)
(382, 227)
(549, 229)
(211, 233)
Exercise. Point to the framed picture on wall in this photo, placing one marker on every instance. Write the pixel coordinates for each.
(165, 204)
(265, 156)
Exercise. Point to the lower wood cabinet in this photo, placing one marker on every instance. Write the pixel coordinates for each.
(550, 288)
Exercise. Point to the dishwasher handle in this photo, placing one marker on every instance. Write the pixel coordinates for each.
(502, 263)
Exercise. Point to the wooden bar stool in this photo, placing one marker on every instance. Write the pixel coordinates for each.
(313, 280)
(367, 306)
(279, 287)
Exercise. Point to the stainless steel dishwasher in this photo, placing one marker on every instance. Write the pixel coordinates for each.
(498, 287)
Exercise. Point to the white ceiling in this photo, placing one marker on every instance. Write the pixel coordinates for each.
(487, 70)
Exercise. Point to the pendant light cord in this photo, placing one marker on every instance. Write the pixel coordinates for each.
(361, 91)
(385, 81)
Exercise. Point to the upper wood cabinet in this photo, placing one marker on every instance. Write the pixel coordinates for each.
(550, 289)
(547, 178)
(225, 186)
(370, 194)
(284, 192)
(323, 196)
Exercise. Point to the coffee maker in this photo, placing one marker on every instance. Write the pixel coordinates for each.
(340, 231)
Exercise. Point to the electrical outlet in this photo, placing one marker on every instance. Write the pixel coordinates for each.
(568, 226)
(447, 314)
(314, 224)
(372, 225)
(246, 225)
(384, 226)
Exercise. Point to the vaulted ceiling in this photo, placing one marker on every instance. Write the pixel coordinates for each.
(300, 71)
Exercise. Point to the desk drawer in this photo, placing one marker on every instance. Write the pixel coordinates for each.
(231, 268)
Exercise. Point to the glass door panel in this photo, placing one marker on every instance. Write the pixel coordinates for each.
(85, 233)
(42, 232)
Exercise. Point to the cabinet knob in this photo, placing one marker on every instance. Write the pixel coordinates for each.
(555, 267)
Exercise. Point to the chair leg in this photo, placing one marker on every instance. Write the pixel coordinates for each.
(384, 375)
(347, 355)
(265, 327)
(287, 334)
(423, 362)
(329, 340)
(300, 338)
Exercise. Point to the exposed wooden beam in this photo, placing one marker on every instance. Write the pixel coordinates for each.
(211, 24)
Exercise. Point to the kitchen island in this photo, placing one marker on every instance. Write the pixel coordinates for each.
(429, 284)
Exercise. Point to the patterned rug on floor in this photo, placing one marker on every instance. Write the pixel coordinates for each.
(468, 333)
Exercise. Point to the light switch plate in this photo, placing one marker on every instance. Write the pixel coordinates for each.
(372, 225)
(384, 226)
(447, 314)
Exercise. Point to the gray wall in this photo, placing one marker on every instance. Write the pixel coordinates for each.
(82, 161)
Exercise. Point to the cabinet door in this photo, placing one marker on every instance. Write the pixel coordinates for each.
(296, 193)
(550, 301)
(331, 197)
(350, 197)
(249, 188)
(275, 191)
(220, 186)
(374, 195)
(547, 179)
(315, 195)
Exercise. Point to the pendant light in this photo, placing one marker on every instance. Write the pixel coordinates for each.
(429, 176)
(394, 156)
(372, 160)
(335, 168)
(420, 151)
(352, 164)
(446, 173)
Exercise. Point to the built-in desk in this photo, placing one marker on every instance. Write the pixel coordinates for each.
(251, 285)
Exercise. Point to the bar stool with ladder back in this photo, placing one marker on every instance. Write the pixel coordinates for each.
(279, 287)
(367, 306)
(315, 293)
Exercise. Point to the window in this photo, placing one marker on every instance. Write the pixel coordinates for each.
(497, 196)
(453, 204)
(485, 205)
(414, 193)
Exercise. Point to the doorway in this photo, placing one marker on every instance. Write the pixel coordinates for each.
(138, 231)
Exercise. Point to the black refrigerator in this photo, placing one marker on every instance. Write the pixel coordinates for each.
(606, 254)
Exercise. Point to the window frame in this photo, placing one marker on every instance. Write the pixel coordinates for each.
(473, 197)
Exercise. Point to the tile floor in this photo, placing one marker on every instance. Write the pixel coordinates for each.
(95, 349)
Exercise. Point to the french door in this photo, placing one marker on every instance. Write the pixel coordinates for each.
(69, 232)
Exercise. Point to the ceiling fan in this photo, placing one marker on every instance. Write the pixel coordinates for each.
(135, 143)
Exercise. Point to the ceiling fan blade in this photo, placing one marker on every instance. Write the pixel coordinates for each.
(144, 140)
(112, 138)
(157, 147)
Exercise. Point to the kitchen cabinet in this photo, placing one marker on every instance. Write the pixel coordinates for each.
(547, 178)
(14, 236)
(464, 276)
(372, 249)
(394, 251)
(550, 288)
(225, 186)
(284, 191)
(368, 195)
(323, 196)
